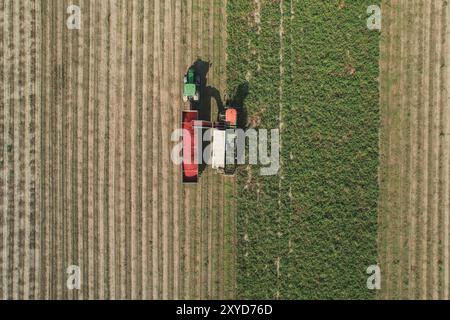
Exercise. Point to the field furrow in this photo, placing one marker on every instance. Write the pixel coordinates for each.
(101, 53)
(90, 134)
(413, 165)
(176, 224)
(445, 147)
(120, 191)
(127, 142)
(112, 126)
(385, 46)
(156, 150)
(147, 139)
(3, 152)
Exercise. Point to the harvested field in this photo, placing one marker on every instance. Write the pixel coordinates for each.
(415, 142)
(86, 177)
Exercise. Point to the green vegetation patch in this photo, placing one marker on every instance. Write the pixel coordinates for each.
(310, 231)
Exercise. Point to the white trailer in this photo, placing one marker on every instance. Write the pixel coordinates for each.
(218, 149)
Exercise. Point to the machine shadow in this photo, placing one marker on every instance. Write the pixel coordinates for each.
(237, 100)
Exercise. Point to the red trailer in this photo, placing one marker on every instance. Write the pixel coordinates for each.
(190, 163)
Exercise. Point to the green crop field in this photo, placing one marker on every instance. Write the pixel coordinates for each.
(311, 68)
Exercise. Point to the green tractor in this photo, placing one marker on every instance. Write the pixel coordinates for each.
(191, 91)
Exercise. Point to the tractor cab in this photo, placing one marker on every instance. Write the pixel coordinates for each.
(191, 91)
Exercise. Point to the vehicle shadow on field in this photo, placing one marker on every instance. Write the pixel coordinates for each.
(203, 106)
(207, 93)
(237, 100)
(201, 68)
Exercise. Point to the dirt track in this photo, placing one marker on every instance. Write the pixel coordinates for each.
(86, 177)
(415, 144)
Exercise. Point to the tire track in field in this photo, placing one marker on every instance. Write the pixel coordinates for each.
(70, 127)
(120, 181)
(227, 286)
(78, 181)
(394, 152)
(8, 142)
(176, 108)
(425, 205)
(222, 261)
(159, 133)
(389, 49)
(280, 119)
(172, 106)
(223, 294)
(83, 152)
(446, 158)
(171, 191)
(20, 186)
(418, 172)
(423, 152)
(217, 268)
(434, 152)
(217, 202)
(136, 151)
(156, 152)
(59, 111)
(164, 132)
(112, 127)
(15, 147)
(182, 200)
(186, 191)
(402, 151)
(127, 213)
(443, 153)
(195, 191)
(25, 166)
(200, 187)
(53, 155)
(65, 121)
(90, 159)
(104, 153)
(132, 43)
(413, 142)
(45, 141)
(17, 113)
(38, 157)
(197, 204)
(59, 158)
(76, 38)
(3, 152)
(147, 150)
(28, 150)
(97, 133)
(120, 169)
(33, 143)
(212, 178)
(52, 149)
(385, 46)
(208, 182)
